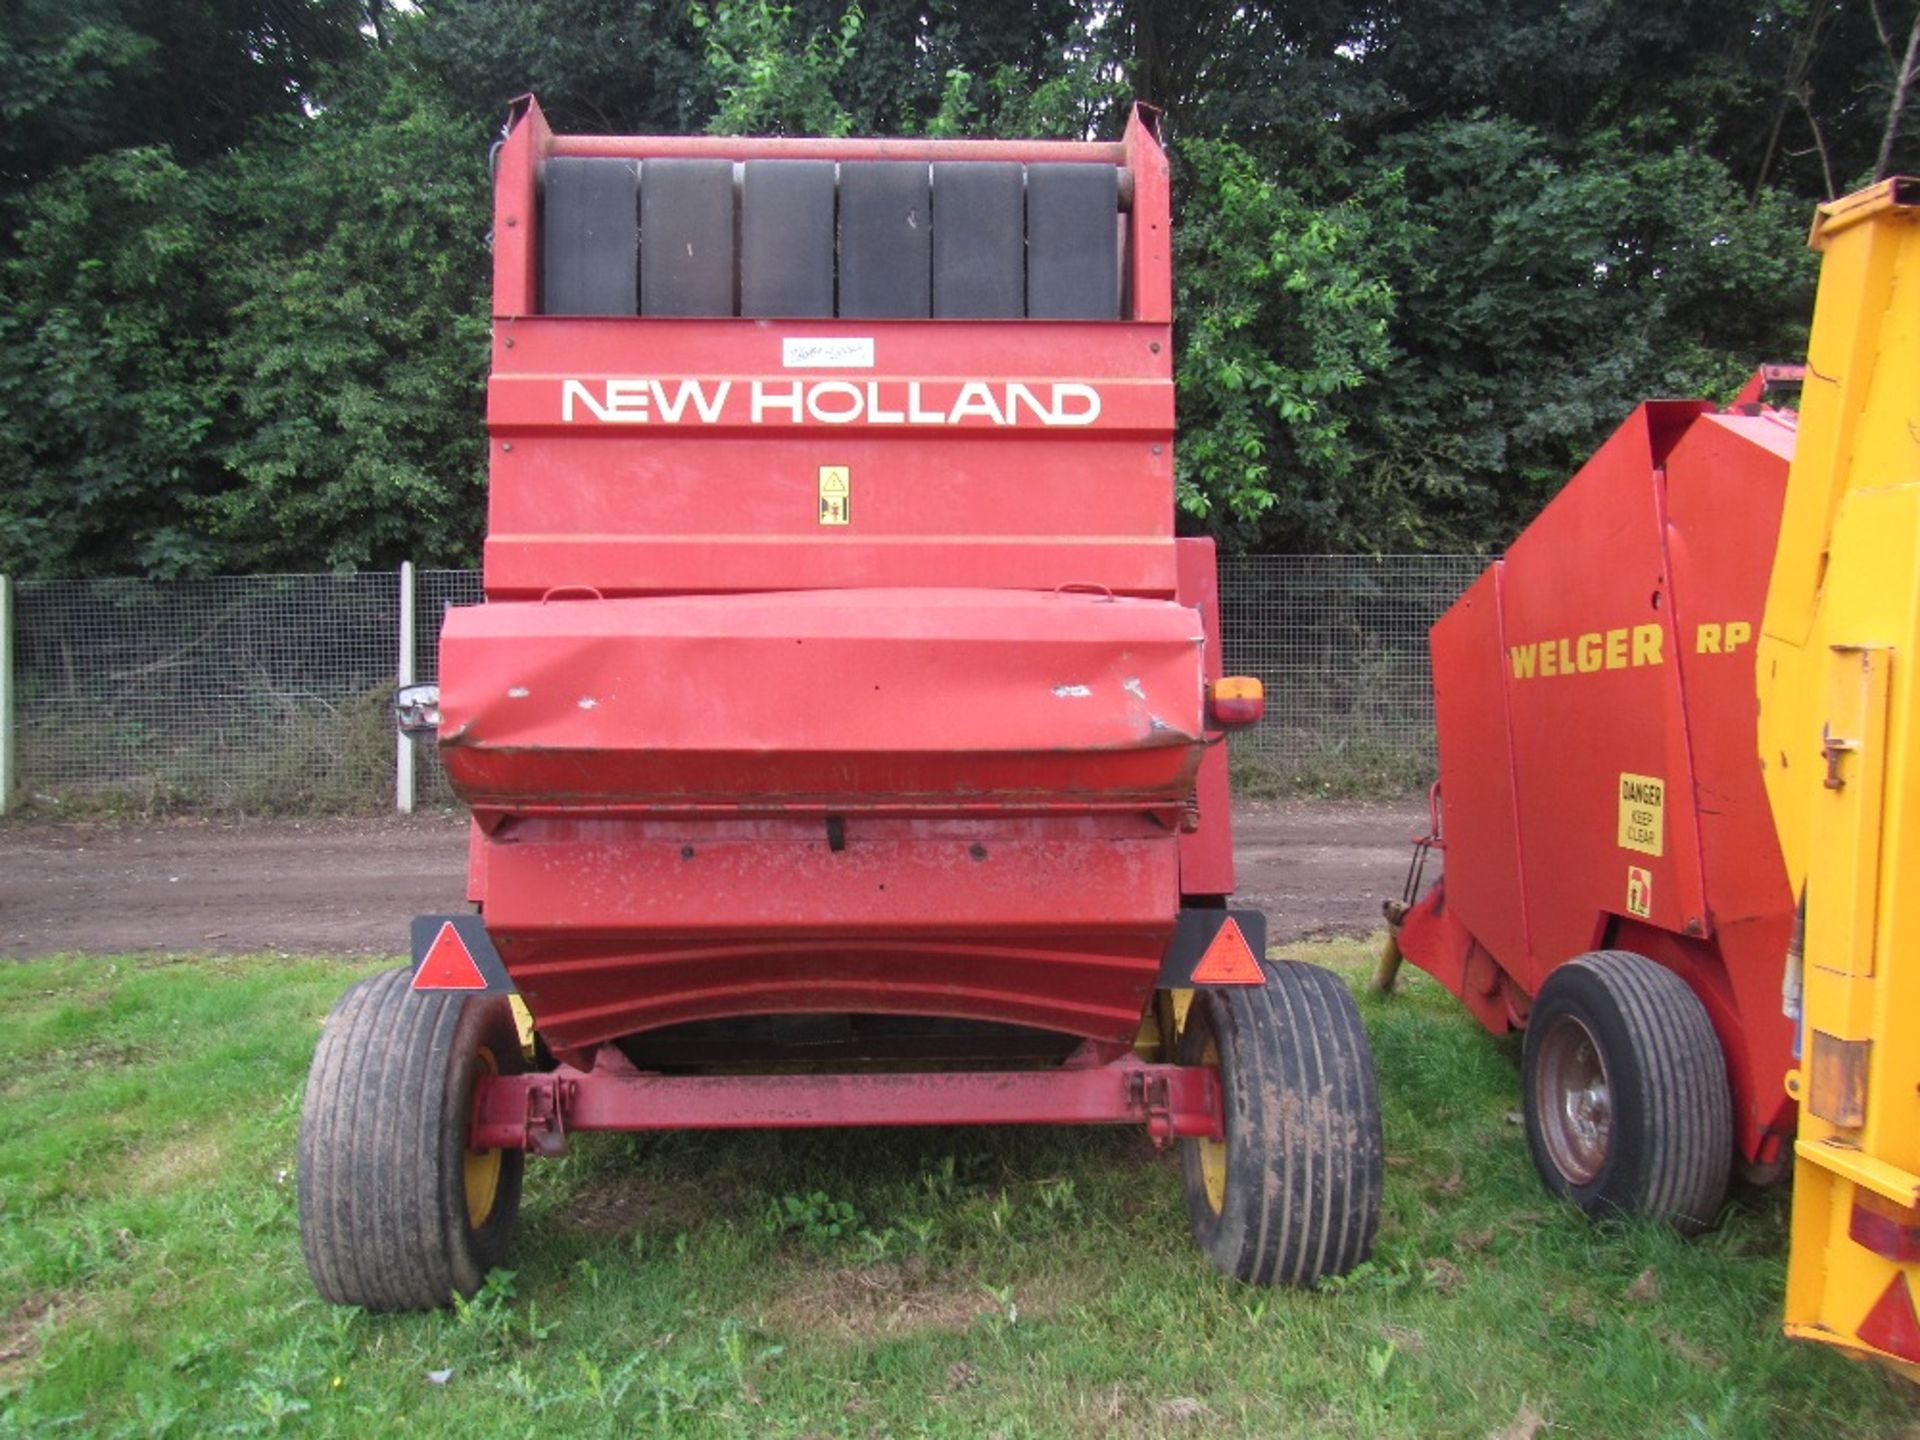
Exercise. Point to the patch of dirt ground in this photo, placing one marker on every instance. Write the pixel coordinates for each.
(349, 887)
(1321, 868)
(24, 1327)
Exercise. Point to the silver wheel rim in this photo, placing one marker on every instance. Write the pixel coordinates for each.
(1573, 1097)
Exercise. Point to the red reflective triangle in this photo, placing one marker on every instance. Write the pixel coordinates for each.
(448, 965)
(1228, 961)
(1891, 1325)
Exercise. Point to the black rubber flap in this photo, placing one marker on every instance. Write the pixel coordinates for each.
(590, 237)
(885, 255)
(979, 241)
(1073, 242)
(686, 238)
(786, 238)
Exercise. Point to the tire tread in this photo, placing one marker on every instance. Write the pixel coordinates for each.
(381, 1222)
(1303, 1202)
(1682, 1096)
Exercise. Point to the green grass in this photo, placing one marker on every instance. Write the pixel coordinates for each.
(956, 1283)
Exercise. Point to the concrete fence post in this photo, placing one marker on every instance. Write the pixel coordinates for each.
(8, 777)
(403, 752)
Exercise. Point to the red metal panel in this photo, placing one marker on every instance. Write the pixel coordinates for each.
(804, 147)
(834, 699)
(1206, 852)
(614, 926)
(1726, 483)
(627, 459)
(1479, 819)
(1150, 242)
(515, 207)
(1594, 695)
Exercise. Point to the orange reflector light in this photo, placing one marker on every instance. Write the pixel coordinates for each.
(1892, 1326)
(1837, 1092)
(1237, 700)
(1229, 960)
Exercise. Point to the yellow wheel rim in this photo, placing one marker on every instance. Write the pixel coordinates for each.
(481, 1171)
(1213, 1153)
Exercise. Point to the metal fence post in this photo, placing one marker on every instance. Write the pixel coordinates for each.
(403, 752)
(7, 777)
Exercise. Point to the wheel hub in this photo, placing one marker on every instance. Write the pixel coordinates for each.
(481, 1169)
(1213, 1153)
(1573, 1098)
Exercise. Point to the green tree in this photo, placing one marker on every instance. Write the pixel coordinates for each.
(771, 79)
(357, 286)
(88, 77)
(1544, 300)
(1285, 316)
(110, 394)
(632, 69)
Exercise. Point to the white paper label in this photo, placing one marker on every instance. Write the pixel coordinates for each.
(830, 352)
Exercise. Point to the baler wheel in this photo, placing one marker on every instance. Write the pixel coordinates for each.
(1292, 1194)
(1627, 1106)
(395, 1212)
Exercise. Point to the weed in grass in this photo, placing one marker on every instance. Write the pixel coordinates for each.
(819, 1221)
(1023, 1282)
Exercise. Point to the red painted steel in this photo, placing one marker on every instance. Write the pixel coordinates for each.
(950, 758)
(1206, 844)
(1615, 640)
(1045, 701)
(537, 1111)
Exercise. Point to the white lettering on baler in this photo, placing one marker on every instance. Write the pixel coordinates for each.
(635, 401)
(627, 402)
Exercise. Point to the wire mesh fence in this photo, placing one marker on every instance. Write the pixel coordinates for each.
(1340, 642)
(255, 692)
(436, 592)
(273, 692)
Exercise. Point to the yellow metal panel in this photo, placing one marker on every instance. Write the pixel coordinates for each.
(1839, 740)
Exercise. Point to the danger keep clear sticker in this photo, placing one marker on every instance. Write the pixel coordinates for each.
(1643, 814)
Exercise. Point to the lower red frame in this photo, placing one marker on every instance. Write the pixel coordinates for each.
(536, 1112)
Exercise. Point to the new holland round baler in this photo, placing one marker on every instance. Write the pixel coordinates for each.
(843, 727)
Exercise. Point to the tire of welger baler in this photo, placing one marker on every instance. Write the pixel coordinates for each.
(1304, 1161)
(384, 1211)
(1670, 1152)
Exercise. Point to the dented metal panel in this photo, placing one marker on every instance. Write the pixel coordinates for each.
(830, 698)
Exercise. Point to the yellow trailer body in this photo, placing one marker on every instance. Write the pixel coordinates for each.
(1838, 672)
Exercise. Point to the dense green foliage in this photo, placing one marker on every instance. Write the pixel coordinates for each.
(1428, 254)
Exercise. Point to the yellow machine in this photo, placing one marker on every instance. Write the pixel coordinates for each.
(1838, 670)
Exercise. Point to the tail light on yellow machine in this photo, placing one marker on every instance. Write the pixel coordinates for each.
(1237, 700)
(1887, 1228)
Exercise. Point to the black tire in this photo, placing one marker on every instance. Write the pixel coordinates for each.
(1655, 1138)
(1295, 1193)
(385, 1216)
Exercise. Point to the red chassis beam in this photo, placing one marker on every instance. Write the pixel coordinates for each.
(535, 1112)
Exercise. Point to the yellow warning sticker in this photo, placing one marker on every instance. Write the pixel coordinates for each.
(1639, 892)
(1643, 814)
(836, 495)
